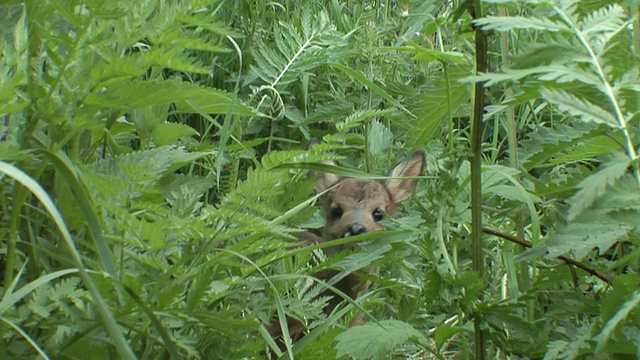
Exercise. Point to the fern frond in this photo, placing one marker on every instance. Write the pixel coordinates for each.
(287, 52)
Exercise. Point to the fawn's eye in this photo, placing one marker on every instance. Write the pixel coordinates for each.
(336, 212)
(378, 215)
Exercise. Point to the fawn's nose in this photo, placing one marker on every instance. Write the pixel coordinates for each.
(354, 229)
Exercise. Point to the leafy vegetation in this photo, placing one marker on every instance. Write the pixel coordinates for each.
(154, 177)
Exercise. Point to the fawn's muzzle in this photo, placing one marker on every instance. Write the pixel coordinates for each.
(354, 229)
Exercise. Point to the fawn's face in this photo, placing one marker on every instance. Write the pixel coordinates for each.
(355, 206)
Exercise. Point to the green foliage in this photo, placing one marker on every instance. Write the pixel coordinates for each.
(373, 341)
(155, 177)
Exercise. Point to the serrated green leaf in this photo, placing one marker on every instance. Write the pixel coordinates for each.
(168, 133)
(594, 185)
(545, 144)
(431, 105)
(357, 118)
(611, 216)
(380, 138)
(137, 94)
(375, 341)
(444, 333)
(582, 108)
(512, 193)
(614, 321)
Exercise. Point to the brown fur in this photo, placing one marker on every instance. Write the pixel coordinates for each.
(359, 204)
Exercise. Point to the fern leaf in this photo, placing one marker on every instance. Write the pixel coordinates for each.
(582, 108)
(595, 185)
(288, 52)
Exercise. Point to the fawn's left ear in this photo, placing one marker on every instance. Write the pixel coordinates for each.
(401, 189)
(325, 180)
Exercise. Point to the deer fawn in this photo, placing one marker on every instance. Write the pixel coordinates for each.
(352, 207)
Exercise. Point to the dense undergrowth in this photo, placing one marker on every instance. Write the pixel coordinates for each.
(154, 176)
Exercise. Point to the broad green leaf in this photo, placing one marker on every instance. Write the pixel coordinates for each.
(169, 133)
(510, 192)
(444, 333)
(380, 138)
(443, 98)
(376, 341)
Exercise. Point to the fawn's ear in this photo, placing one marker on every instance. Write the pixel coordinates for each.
(401, 189)
(325, 180)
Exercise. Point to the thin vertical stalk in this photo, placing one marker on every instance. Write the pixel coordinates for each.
(512, 136)
(448, 89)
(476, 173)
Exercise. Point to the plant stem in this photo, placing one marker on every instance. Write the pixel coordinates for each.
(476, 174)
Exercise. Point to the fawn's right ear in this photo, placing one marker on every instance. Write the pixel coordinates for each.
(401, 189)
(325, 180)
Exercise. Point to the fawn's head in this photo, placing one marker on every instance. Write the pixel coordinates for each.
(355, 206)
